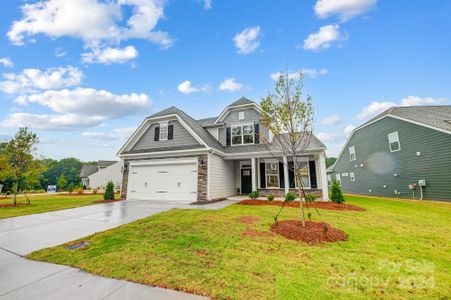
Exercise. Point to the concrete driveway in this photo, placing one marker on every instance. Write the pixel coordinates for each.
(24, 279)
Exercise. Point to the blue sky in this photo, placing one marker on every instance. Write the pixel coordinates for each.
(84, 73)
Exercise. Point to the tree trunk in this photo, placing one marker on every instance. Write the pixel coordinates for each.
(300, 195)
(16, 188)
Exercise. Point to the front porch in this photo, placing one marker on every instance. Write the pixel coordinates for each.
(270, 175)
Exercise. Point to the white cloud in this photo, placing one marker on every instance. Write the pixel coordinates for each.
(348, 130)
(56, 122)
(331, 120)
(59, 52)
(186, 87)
(95, 22)
(373, 109)
(31, 80)
(345, 9)
(110, 55)
(376, 107)
(312, 73)
(89, 102)
(230, 85)
(247, 40)
(324, 38)
(330, 137)
(415, 101)
(6, 62)
(207, 4)
(115, 134)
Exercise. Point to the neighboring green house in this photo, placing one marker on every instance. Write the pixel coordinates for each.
(403, 152)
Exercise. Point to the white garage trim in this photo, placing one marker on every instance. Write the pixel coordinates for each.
(163, 180)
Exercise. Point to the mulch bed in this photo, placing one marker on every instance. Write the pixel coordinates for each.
(108, 201)
(312, 233)
(321, 205)
(12, 204)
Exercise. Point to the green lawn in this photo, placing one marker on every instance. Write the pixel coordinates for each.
(43, 203)
(397, 249)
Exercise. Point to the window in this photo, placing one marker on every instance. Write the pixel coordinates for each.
(272, 175)
(242, 134)
(352, 153)
(241, 115)
(163, 131)
(352, 176)
(393, 142)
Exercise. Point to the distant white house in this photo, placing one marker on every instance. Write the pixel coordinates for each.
(101, 178)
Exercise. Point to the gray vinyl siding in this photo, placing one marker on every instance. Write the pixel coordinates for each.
(375, 166)
(221, 177)
(182, 138)
(250, 116)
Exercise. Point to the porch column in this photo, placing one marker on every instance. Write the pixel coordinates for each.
(323, 174)
(285, 175)
(254, 174)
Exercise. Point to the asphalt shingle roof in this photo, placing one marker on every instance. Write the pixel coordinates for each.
(88, 169)
(436, 116)
(241, 101)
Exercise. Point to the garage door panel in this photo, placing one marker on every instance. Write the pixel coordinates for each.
(177, 182)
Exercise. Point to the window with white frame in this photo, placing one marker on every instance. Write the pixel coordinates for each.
(164, 131)
(241, 115)
(242, 134)
(393, 142)
(352, 153)
(272, 175)
(352, 176)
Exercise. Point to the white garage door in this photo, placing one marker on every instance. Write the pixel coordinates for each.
(172, 182)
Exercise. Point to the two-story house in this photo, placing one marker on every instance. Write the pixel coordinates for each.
(403, 152)
(174, 157)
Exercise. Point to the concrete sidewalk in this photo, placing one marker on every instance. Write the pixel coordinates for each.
(21, 278)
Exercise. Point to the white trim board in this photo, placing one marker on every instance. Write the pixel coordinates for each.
(227, 110)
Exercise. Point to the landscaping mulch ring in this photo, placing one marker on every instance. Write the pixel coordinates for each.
(107, 201)
(321, 205)
(12, 204)
(313, 232)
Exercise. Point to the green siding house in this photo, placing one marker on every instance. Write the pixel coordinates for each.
(403, 152)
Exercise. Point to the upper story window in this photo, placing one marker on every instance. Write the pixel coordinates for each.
(352, 153)
(164, 131)
(242, 134)
(241, 115)
(393, 142)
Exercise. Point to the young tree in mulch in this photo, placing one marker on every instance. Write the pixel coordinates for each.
(290, 120)
(21, 164)
(336, 195)
(61, 182)
(109, 191)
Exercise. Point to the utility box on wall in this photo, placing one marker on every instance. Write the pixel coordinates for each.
(422, 182)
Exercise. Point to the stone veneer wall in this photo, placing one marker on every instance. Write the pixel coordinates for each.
(281, 192)
(202, 178)
(124, 184)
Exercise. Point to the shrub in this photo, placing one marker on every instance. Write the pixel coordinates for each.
(95, 191)
(310, 197)
(335, 193)
(79, 190)
(254, 195)
(290, 197)
(109, 191)
(70, 188)
(270, 197)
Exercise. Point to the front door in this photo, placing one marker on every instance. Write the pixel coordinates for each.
(246, 181)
